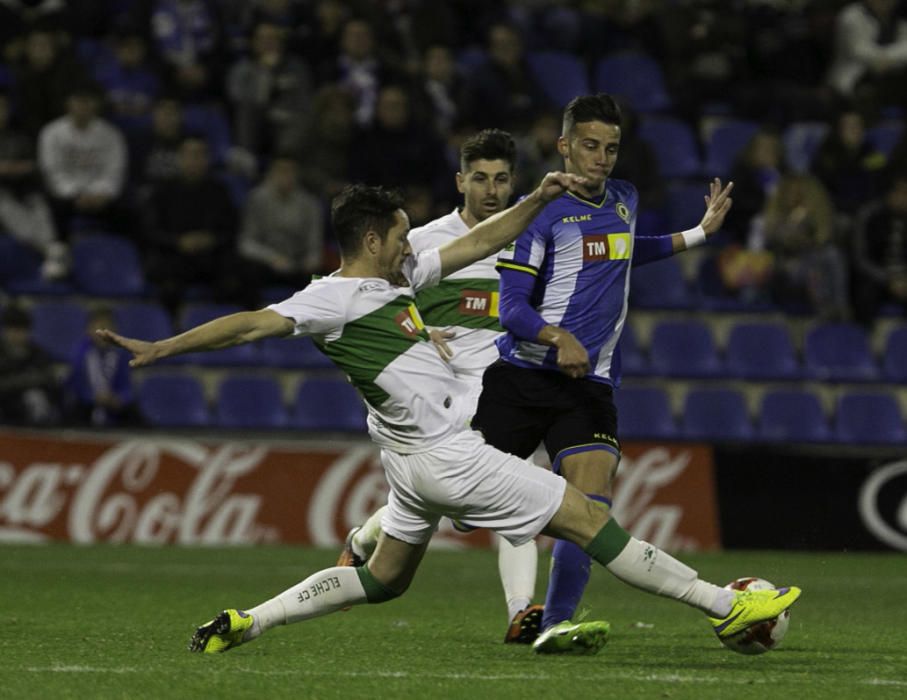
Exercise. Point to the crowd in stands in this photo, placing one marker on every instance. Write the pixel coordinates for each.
(211, 135)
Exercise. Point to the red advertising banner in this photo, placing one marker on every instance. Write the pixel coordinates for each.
(188, 491)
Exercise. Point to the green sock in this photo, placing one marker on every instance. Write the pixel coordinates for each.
(608, 543)
(375, 591)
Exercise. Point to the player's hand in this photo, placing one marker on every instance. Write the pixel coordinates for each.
(554, 184)
(572, 358)
(717, 205)
(439, 338)
(143, 353)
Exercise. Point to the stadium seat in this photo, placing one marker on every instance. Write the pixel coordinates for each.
(107, 265)
(632, 359)
(674, 144)
(328, 404)
(471, 58)
(869, 418)
(17, 262)
(801, 140)
(236, 356)
(293, 353)
(143, 320)
(725, 143)
(894, 362)
(716, 414)
(635, 77)
(761, 351)
(173, 401)
(562, 76)
(250, 402)
(838, 352)
(644, 413)
(212, 123)
(685, 204)
(684, 349)
(57, 327)
(660, 285)
(789, 415)
(885, 136)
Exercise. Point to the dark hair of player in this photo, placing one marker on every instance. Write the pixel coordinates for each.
(361, 208)
(591, 108)
(488, 144)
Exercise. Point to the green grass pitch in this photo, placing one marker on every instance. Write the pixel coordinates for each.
(113, 622)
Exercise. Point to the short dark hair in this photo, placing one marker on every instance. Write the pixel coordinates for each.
(591, 108)
(361, 208)
(488, 144)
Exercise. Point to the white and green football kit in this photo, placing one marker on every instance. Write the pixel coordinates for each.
(419, 410)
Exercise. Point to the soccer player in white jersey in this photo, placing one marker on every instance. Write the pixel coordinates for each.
(364, 318)
(464, 307)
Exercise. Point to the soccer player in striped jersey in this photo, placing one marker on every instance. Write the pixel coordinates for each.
(564, 288)
(364, 318)
(463, 312)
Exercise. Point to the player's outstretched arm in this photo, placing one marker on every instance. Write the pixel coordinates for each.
(497, 231)
(223, 332)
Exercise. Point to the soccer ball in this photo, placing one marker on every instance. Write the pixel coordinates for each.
(763, 636)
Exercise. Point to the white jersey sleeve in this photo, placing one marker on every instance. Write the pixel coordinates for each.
(423, 269)
(316, 310)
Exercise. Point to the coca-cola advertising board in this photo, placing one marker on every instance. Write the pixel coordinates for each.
(188, 491)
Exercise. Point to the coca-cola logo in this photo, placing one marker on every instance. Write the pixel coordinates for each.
(118, 497)
(883, 504)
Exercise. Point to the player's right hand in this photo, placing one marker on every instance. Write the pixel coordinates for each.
(554, 184)
(572, 358)
(143, 353)
(439, 338)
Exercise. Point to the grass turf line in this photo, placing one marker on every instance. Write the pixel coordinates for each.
(113, 622)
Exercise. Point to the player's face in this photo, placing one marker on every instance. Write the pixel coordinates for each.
(394, 250)
(486, 186)
(590, 150)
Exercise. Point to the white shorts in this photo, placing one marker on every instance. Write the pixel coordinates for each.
(468, 480)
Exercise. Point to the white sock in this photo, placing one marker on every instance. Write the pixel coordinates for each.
(366, 538)
(319, 594)
(517, 566)
(645, 566)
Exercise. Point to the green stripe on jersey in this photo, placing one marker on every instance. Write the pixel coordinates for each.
(370, 343)
(470, 303)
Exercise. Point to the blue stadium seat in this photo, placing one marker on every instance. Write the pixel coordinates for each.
(644, 413)
(761, 351)
(106, 265)
(674, 144)
(328, 404)
(57, 327)
(801, 141)
(471, 58)
(684, 349)
(838, 352)
(17, 262)
(660, 285)
(562, 76)
(250, 402)
(212, 122)
(716, 414)
(791, 415)
(725, 143)
(635, 77)
(894, 362)
(237, 356)
(143, 320)
(869, 418)
(632, 359)
(173, 401)
(293, 353)
(885, 136)
(685, 204)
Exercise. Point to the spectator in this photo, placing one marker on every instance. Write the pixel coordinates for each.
(24, 212)
(442, 87)
(129, 81)
(44, 80)
(321, 37)
(326, 159)
(848, 165)
(29, 390)
(282, 236)
(880, 253)
(270, 91)
(503, 92)
(870, 61)
(809, 268)
(191, 230)
(538, 152)
(98, 390)
(83, 159)
(156, 154)
(18, 18)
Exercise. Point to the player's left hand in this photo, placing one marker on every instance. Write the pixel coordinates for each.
(143, 352)
(554, 184)
(439, 338)
(717, 205)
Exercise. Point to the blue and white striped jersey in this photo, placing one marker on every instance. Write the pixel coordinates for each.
(579, 252)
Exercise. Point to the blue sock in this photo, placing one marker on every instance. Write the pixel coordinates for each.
(569, 575)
